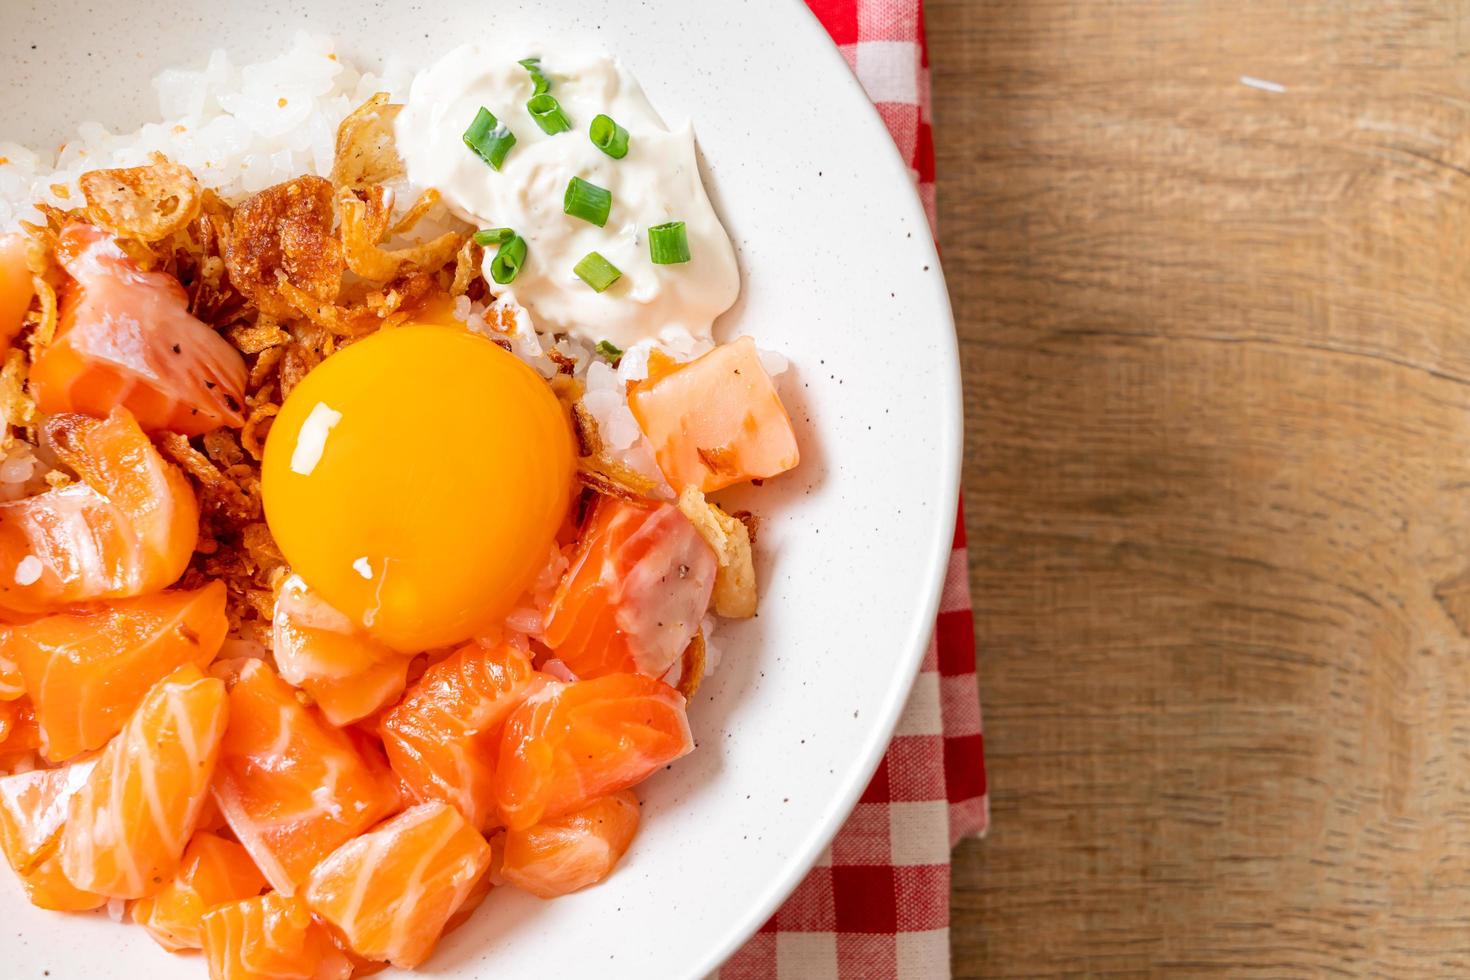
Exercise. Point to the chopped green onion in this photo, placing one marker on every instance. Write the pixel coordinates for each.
(533, 66)
(667, 243)
(486, 237)
(597, 271)
(587, 201)
(609, 351)
(508, 260)
(548, 115)
(490, 140)
(609, 137)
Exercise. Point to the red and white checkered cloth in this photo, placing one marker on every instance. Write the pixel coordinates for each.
(876, 906)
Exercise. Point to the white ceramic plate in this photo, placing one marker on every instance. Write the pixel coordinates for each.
(839, 274)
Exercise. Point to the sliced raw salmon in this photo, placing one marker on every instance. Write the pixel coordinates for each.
(636, 591)
(270, 937)
(16, 288)
(87, 670)
(33, 809)
(127, 529)
(571, 743)
(292, 787)
(390, 892)
(214, 871)
(126, 829)
(563, 854)
(442, 737)
(716, 420)
(348, 674)
(125, 338)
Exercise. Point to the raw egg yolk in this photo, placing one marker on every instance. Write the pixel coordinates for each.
(416, 480)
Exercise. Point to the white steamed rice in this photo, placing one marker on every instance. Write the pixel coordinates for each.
(240, 129)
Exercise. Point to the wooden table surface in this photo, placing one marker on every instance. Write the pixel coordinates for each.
(1216, 344)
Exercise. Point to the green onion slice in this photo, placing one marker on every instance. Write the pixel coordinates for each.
(508, 260)
(608, 349)
(490, 140)
(538, 78)
(588, 202)
(486, 237)
(609, 137)
(548, 115)
(667, 243)
(596, 271)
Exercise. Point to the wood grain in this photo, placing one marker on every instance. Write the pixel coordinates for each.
(1216, 343)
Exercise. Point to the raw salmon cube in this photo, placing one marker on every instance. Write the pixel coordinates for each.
(441, 739)
(391, 892)
(214, 871)
(567, 853)
(87, 670)
(126, 829)
(716, 420)
(128, 528)
(635, 593)
(125, 339)
(33, 809)
(291, 786)
(571, 743)
(270, 937)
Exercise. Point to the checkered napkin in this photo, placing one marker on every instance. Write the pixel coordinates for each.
(877, 903)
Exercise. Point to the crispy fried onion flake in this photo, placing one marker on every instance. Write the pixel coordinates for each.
(366, 151)
(728, 536)
(365, 223)
(691, 666)
(280, 246)
(146, 203)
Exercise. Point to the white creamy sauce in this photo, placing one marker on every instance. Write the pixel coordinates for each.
(658, 181)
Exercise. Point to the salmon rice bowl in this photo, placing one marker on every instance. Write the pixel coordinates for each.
(359, 544)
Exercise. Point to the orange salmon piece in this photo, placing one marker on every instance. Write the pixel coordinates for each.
(270, 937)
(441, 739)
(348, 674)
(33, 809)
(16, 288)
(571, 743)
(127, 828)
(391, 892)
(567, 853)
(125, 338)
(635, 592)
(292, 787)
(214, 871)
(88, 670)
(128, 528)
(716, 420)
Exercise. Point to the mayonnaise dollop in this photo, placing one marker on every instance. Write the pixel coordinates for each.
(658, 181)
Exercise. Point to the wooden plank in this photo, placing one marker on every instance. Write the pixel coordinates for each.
(1217, 353)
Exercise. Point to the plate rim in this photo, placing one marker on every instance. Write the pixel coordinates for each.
(920, 627)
